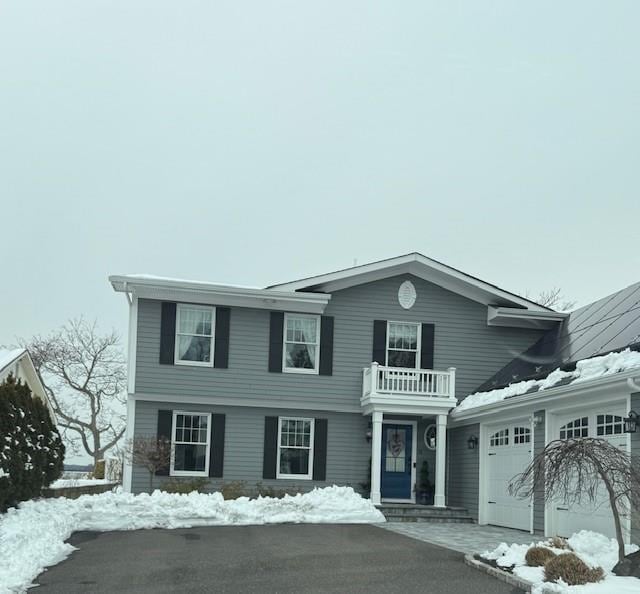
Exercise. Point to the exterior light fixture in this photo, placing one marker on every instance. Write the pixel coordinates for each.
(472, 442)
(631, 422)
(369, 433)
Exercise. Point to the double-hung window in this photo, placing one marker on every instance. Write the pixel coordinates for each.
(301, 350)
(295, 448)
(403, 344)
(191, 441)
(195, 327)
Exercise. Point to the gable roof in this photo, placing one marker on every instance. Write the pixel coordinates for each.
(607, 325)
(9, 356)
(420, 266)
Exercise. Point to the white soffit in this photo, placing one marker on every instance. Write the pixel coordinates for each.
(523, 318)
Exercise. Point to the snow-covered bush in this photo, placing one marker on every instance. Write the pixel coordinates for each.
(538, 556)
(31, 451)
(572, 570)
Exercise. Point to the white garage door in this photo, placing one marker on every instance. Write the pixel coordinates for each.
(606, 424)
(508, 454)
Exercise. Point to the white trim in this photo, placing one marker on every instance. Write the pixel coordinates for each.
(127, 470)
(205, 472)
(212, 340)
(132, 344)
(316, 363)
(420, 266)
(312, 429)
(418, 343)
(414, 454)
(440, 494)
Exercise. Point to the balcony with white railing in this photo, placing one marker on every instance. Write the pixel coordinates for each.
(400, 388)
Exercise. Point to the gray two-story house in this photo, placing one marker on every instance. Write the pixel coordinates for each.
(345, 378)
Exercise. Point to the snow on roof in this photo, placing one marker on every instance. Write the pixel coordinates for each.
(586, 369)
(7, 356)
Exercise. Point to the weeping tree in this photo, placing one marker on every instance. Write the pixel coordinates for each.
(576, 471)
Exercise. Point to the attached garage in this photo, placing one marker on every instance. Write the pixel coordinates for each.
(605, 423)
(508, 452)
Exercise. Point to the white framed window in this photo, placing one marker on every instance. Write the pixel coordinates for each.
(499, 438)
(195, 331)
(403, 344)
(301, 348)
(576, 428)
(190, 444)
(295, 448)
(521, 435)
(609, 425)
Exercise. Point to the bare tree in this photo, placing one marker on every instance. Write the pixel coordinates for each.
(84, 375)
(552, 298)
(575, 470)
(151, 452)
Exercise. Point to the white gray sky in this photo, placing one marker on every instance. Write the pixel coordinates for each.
(256, 142)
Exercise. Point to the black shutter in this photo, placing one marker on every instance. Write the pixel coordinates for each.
(326, 345)
(276, 331)
(379, 342)
(427, 346)
(270, 452)
(167, 333)
(165, 429)
(221, 355)
(320, 450)
(216, 454)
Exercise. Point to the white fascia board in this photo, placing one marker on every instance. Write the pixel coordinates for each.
(422, 267)
(523, 318)
(594, 388)
(214, 294)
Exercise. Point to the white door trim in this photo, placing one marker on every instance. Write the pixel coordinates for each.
(414, 453)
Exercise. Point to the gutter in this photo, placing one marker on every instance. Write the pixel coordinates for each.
(550, 394)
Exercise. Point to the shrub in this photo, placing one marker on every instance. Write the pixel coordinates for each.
(178, 485)
(263, 490)
(234, 489)
(538, 556)
(573, 570)
(31, 451)
(98, 470)
(557, 542)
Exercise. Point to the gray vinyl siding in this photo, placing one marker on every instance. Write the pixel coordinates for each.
(635, 453)
(462, 340)
(463, 469)
(538, 496)
(348, 452)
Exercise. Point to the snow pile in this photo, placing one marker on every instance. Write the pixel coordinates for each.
(65, 483)
(587, 369)
(594, 549)
(32, 537)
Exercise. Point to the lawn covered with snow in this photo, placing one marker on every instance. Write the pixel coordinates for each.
(66, 483)
(587, 369)
(594, 549)
(32, 537)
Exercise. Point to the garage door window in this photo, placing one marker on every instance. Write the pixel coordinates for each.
(609, 425)
(500, 438)
(521, 435)
(576, 428)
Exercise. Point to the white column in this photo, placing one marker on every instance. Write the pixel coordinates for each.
(441, 452)
(376, 456)
(127, 469)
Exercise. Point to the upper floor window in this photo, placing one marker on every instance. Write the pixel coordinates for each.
(190, 444)
(301, 343)
(403, 344)
(194, 335)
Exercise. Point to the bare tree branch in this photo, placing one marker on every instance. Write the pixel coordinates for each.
(552, 298)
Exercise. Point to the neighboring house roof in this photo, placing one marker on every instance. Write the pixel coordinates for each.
(584, 371)
(423, 267)
(9, 356)
(607, 325)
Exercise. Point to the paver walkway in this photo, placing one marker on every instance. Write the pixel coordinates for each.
(465, 538)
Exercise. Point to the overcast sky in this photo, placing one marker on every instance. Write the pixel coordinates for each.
(257, 142)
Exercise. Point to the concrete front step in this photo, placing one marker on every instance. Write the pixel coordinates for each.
(424, 513)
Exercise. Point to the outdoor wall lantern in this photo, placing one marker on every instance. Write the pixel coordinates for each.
(472, 442)
(369, 433)
(631, 422)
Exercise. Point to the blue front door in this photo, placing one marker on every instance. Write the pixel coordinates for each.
(395, 480)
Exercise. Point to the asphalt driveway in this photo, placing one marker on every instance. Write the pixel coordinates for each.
(278, 558)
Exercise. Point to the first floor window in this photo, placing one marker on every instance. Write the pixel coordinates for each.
(403, 344)
(301, 343)
(194, 335)
(191, 444)
(295, 448)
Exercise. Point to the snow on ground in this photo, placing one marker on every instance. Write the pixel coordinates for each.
(32, 537)
(594, 549)
(587, 369)
(65, 483)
